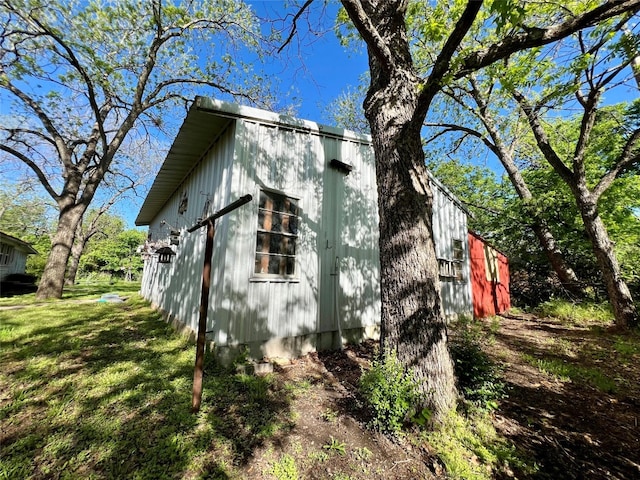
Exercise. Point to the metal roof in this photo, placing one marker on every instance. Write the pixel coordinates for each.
(205, 121)
(17, 243)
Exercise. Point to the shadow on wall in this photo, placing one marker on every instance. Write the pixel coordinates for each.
(337, 282)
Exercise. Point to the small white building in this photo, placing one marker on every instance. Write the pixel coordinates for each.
(13, 255)
(296, 269)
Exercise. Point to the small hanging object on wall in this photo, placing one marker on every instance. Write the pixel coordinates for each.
(184, 202)
(165, 254)
(341, 166)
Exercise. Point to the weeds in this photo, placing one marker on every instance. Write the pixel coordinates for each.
(330, 415)
(576, 313)
(285, 468)
(471, 449)
(390, 391)
(479, 378)
(362, 454)
(335, 446)
(565, 372)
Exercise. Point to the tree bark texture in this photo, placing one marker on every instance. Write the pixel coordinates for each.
(619, 295)
(52, 282)
(79, 244)
(412, 320)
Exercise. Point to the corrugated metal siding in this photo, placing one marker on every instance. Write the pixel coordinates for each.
(337, 256)
(489, 297)
(449, 224)
(176, 286)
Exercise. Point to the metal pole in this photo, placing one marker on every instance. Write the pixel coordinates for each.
(198, 371)
(202, 322)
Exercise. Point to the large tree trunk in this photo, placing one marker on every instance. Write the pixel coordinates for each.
(617, 289)
(52, 282)
(412, 320)
(565, 273)
(545, 237)
(79, 243)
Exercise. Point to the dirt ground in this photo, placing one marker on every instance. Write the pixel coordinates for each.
(571, 429)
(329, 409)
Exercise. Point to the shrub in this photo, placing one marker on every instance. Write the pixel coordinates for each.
(479, 378)
(390, 391)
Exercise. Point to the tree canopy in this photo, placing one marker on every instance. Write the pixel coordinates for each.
(87, 80)
(402, 89)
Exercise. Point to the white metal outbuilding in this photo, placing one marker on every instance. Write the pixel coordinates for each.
(297, 268)
(13, 255)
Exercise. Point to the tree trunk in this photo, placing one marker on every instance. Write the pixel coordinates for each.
(619, 295)
(547, 241)
(52, 282)
(565, 273)
(412, 320)
(79, 243)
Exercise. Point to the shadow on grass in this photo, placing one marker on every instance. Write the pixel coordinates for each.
(581, 426)
(104, 391)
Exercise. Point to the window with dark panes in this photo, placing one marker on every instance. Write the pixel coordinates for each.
(451, 269)
(277, 235)
(6, 254)
(458, 258)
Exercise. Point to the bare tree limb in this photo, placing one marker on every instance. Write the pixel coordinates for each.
(294, 25)
(42, 177)
(48, 124)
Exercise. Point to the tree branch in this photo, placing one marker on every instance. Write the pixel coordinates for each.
(443, 61)
(294, 25)
(58, 141)
(542, 140)
(452, 127)
(537, 37)
(626, 160)
(33, 166)
(75, 63)
(376, 44)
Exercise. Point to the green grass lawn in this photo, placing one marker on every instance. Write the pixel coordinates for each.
(103, 390)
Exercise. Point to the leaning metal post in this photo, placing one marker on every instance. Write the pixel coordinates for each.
(198, 372)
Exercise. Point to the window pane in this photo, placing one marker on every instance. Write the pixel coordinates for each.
(262, 263)
(276, 225)
(277, 235)
(291, 265)
(274, 265)
(293, 225)
(458, 251)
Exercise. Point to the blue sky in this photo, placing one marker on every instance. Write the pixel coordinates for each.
(318, 69)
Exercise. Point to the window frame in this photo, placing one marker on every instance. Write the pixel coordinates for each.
(7, 253)
(267, 238)
(452, 269)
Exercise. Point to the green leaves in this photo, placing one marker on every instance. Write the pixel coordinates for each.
(508, 13)
(390, 391)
